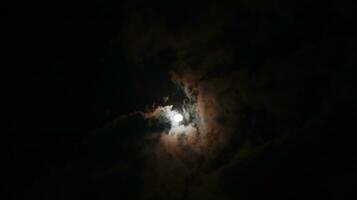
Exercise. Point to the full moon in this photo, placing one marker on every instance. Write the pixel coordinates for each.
(178, 117)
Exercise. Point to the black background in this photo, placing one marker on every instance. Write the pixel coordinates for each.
(67, 74)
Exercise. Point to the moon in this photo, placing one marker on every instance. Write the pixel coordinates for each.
(178, 118)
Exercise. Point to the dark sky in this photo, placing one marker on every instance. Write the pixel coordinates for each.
(275, 79)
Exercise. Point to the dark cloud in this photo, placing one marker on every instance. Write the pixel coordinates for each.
(254, 73)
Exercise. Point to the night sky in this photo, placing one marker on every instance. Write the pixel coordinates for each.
(266, 90)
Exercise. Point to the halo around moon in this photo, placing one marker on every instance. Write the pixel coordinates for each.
(178, 117)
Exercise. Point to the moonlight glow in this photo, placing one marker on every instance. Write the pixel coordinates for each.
(178, 118)
(175, 117)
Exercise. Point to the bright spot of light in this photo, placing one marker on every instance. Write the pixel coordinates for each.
(178, 117)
